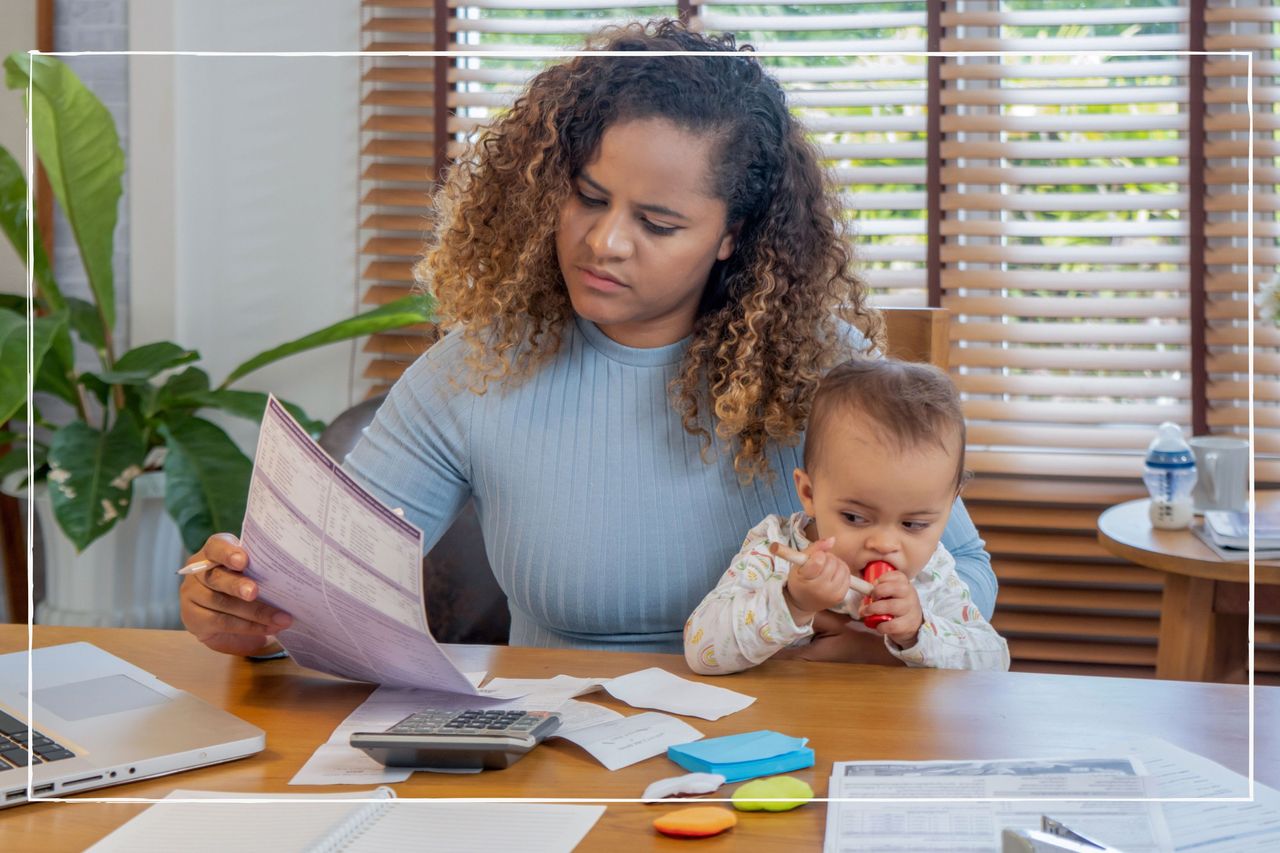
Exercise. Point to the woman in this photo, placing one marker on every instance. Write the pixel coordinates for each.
(643, 267)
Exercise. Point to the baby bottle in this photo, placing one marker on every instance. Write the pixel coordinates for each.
(1170, 473)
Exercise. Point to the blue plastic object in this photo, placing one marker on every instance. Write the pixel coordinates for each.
(744, 756)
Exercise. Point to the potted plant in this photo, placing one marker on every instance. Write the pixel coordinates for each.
(133, 423)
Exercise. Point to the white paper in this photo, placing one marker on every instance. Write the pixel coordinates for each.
(621, 743)
(346, 567)
(425, 827)
(657, 688)
(284, 825)
(1210, 827)
(291, 823)
(579, 715)
(572, 684)
(891, 823)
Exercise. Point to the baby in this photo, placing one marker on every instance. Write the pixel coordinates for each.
(883, 464)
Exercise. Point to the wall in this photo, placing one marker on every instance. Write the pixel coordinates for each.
(17, 32)
(244, 213)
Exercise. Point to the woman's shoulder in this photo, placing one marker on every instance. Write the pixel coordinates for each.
(439, 371)
(852, 337)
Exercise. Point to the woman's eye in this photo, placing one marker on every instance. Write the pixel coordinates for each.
(590, 201)
(660, 230)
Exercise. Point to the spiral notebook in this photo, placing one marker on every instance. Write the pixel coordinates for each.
(322, 823)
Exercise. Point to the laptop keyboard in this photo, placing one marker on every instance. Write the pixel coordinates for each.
(13, 745)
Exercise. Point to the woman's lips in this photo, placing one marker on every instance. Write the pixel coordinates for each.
(595, 281)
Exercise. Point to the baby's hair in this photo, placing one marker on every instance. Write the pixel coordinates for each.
(911, 404)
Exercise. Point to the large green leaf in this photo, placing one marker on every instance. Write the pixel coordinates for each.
(75, 139)
(206, 480)
(85, 320)
(13, 355)
(91, 476)
(250, 405)
(138, 365)
(394, 315)
(15, 459)
(13, 221)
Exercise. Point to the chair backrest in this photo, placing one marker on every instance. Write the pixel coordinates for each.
(464, 602)
(919, 334)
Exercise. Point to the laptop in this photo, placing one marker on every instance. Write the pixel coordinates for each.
(98, 720)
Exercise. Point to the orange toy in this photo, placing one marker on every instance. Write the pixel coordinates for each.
(695, 822)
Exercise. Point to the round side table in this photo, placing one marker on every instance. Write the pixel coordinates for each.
(1204, 609)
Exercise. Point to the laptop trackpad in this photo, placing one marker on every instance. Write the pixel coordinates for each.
(111, 694)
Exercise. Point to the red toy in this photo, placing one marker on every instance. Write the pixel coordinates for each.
(870, 572)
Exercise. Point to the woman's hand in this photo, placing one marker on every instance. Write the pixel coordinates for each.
(897, 598)
(218, 604)
(835, 640)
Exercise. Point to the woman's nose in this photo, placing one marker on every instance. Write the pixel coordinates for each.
(607, 238)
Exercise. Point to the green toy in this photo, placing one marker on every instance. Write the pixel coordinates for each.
(787, 792)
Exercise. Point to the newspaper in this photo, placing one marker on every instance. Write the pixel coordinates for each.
(912, 806)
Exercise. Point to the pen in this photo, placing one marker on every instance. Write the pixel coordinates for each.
(197, 567)
(798, 558)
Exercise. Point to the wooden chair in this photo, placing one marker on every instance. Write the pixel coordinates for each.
(919, 334)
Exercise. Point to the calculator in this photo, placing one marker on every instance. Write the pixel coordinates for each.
(458, 740)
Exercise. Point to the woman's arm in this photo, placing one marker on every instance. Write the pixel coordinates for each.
(416, 455)
(973, 563)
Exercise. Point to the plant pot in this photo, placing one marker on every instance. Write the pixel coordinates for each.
(126, 578)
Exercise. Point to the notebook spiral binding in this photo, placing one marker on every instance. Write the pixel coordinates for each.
(344, 833)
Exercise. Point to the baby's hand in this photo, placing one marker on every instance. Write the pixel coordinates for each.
(894, 596)
(820, 584)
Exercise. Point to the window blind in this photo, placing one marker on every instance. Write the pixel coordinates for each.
(1079, 202)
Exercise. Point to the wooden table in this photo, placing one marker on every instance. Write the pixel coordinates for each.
(1204, 610)
(848, 711)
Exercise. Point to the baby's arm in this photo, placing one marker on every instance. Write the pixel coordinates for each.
(954, 634)
(745, 619)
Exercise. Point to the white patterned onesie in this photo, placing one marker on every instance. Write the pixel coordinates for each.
(745, 619)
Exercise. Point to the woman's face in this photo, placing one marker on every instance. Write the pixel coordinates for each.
(638, 236)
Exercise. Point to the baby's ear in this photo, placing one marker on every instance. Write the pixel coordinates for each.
(965, 479)
(804, 490)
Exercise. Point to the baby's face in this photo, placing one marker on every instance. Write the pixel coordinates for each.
(879, 502)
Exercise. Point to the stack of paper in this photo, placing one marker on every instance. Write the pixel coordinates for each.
(1227, 533)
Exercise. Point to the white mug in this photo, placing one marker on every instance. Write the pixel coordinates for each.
(1222, 473)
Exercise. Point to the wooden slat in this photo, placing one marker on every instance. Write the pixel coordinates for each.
(1078, 599)
(1044, 544)
(1090, 669)
(1010, 623)
(395, 246)
(391, 222)
(1086, 653)
(381, 294)
(988, 515)
(1064, 492)
(388, 271)
(383, 370)
(1025, 572)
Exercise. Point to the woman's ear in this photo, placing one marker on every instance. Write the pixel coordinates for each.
(804, 491)
(728, 242)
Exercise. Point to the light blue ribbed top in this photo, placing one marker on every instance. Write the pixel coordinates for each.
(602, 523)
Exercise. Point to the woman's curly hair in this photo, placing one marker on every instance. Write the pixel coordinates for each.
(767, 327)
